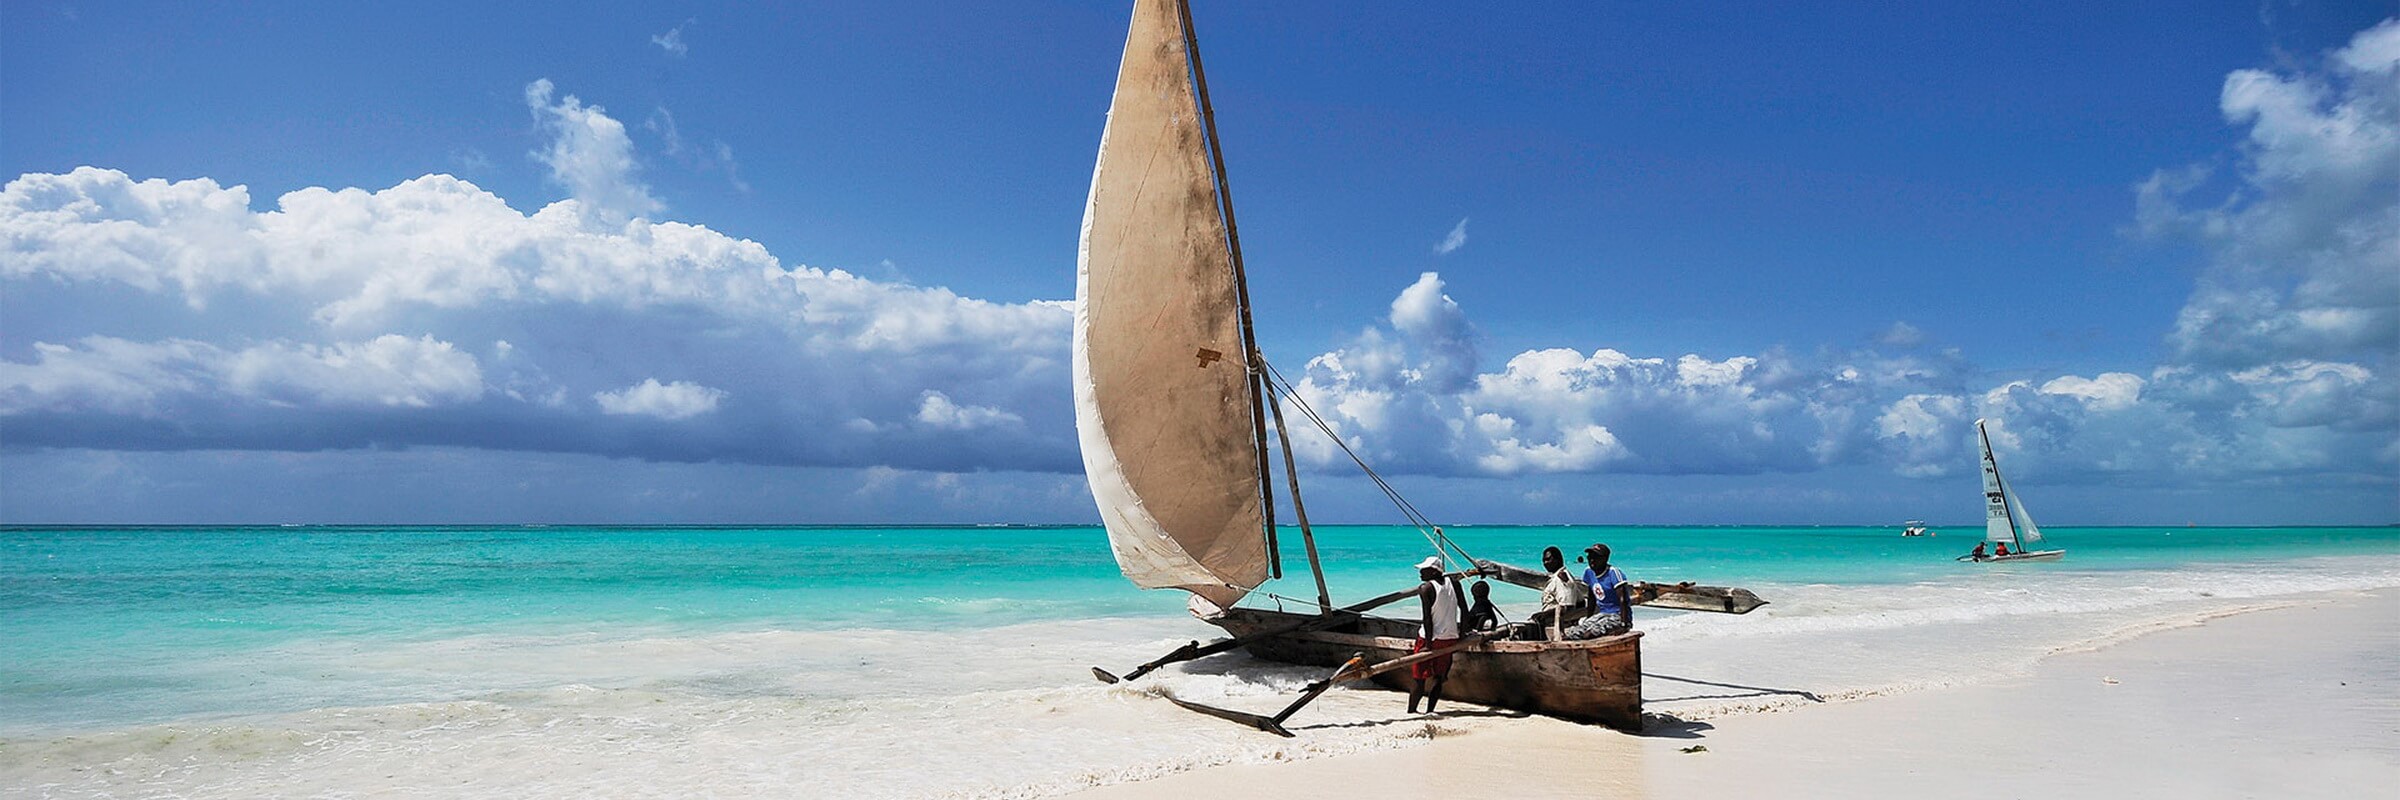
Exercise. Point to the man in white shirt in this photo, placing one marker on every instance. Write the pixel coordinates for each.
(1564, 599)
(1437, 596)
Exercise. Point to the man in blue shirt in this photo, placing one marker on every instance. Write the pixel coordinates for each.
(1612, 611)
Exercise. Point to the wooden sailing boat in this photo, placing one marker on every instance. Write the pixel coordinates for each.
(1172, 399)
(2005, 521)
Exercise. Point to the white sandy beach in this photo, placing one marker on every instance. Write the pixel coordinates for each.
(2300, 698)
(1983, 685)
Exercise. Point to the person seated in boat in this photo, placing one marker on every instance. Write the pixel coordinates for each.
(2002, 550)
(1481, 614)
(1612, 610)
(1978, 554)
(1437, 597)
(1564, 599)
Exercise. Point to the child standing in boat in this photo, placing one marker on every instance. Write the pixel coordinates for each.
(1481, 614)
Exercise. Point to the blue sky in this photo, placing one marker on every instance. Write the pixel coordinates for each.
(1616, 262)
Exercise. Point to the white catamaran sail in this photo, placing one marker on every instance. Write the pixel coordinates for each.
(1165, 403)
(2005, 520)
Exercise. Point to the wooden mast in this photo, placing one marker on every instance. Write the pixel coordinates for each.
(2006, 508)
(1308, 538)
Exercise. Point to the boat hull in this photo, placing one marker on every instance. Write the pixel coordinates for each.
(1593, 680)
(2037, 555)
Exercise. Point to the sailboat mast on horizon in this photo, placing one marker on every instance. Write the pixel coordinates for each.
(2005, 520)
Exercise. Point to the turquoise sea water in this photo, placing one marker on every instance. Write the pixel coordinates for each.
(97, 618)
(273, 644)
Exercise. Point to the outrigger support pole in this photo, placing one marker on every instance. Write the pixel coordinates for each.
(1351, 670)
(1192, 650)
(1274, 724)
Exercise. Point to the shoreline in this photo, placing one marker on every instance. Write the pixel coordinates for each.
(531, 682)
(2288, 697)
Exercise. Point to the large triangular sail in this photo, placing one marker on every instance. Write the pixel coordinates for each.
(1166, 409)
(2028, 534)
(2003, 520)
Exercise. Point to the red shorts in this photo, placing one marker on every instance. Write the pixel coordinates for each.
(1435, 667)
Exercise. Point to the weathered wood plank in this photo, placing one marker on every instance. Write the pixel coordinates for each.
(1720, 599)
(1679, 596)
(1594, 680)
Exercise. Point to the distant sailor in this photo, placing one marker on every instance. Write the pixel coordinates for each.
(1438, 628)
(1612, 611)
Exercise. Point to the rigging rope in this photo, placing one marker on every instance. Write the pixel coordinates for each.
(1433, 534)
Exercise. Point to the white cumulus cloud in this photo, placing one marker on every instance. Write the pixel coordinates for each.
(591, 156)
(374, 286)
(936, 410)
(153, 379)
(1431, 320)
(389, 370)
(2306, 253)
(2109, 391)
(668, 401)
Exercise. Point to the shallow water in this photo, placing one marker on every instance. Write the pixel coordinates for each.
(533, 662)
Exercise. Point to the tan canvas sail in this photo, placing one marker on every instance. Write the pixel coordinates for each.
(1163, 399)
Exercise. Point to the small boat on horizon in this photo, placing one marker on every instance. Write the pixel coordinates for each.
(1915, 527)
(2006, 524)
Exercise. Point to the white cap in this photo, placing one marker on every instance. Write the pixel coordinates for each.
(1430, 562)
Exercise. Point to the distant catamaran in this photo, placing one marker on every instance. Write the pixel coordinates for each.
(2004, 519)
